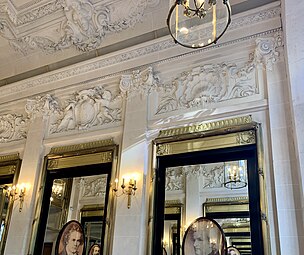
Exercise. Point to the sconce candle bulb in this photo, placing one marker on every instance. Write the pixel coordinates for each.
(18, 192)
(128, 190)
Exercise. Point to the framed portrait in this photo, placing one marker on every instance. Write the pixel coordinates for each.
(233, 251)
(70, 239)
(94, 250)
(204, 236)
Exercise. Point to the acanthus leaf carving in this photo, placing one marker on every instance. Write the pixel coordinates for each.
(267, 50)
(13, 127)
(206, 86)
(210, 176)
(41, 106)
(86, 25)
(93, 187)
(87, 108)
(139, 82)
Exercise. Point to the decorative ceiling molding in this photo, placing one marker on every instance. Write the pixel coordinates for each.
(84, 25)
(208, 85)
(139, 82)
(13, 127)
(102, 62)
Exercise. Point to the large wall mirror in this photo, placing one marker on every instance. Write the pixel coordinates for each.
(216, 177)
(9, 172)
(76, 189)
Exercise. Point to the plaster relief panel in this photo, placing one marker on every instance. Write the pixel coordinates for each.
(13, 127)
(211, 86)
(93, 187)
(84, 24)
(86, 109)
(207, 85)
(209, 176)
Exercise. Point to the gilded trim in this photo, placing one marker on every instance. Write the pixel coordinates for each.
(10, 157)
(82, 160)
(206, 143)
(80, 147)
(7, 170)
(227, 200)
(206, 126)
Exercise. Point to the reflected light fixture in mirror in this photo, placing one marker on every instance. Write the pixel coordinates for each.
(57, 189)
(235, 174)
(198, 23)
(128, 188)
(18, 192)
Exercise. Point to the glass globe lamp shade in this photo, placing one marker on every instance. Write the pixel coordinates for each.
(198, 23)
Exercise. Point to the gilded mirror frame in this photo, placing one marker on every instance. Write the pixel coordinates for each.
(79, 155)
(9, 169)
(226, 133)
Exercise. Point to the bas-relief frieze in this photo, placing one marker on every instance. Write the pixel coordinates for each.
(207, 85)
(139, 82)
(13, 127)
(210, 176)
(84, 109)
(93, 187)
(87, 108)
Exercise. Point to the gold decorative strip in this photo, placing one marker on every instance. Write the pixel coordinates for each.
(172, 203)
(172, 210)
(206, 126)
(81, 160)
(227, 199)
(10, 157)
(206, 143)
(82, 146)
(226, 208)
(7, 170)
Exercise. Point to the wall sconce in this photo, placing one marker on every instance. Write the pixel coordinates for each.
(18, 192)
(127, 189)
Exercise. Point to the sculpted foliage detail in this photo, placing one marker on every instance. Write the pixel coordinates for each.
(88, 108)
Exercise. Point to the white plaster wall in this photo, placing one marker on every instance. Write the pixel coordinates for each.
(140, 124)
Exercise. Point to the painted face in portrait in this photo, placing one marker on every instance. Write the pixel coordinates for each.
(96, 250)
(73, 243)
(198, 242)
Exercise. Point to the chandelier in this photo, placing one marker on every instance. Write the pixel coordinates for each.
(58, 189)
(235, 174)
(200, 23)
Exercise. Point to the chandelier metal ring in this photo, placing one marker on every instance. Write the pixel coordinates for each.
(197, 12)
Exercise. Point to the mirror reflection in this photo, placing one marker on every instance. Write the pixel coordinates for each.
(216, 190)
(76, 198)
(4, 204)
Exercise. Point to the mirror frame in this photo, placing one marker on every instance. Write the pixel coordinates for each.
(60, 159)
(226, 133)
(9, 168)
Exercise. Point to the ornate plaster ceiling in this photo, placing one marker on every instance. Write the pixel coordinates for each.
(42, 35)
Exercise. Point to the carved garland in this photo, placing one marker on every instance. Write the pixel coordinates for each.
(85, 25)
